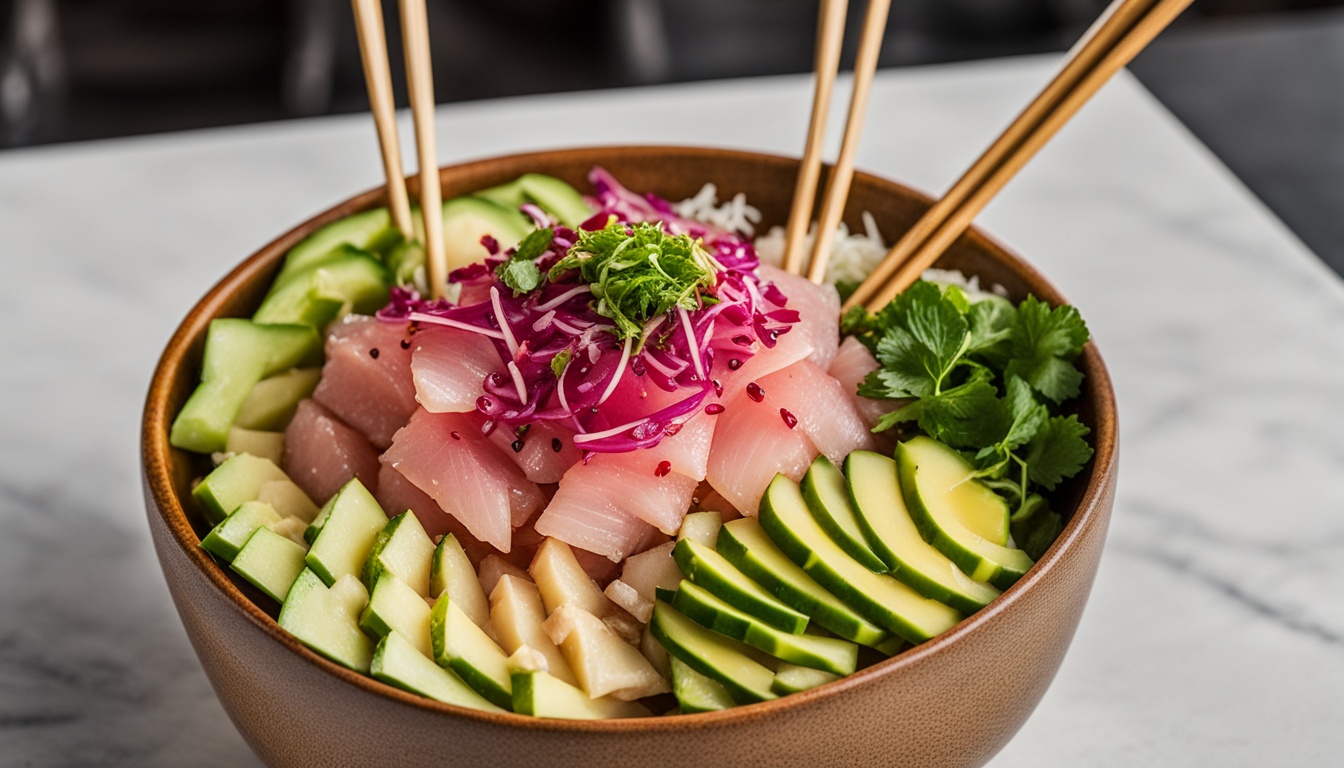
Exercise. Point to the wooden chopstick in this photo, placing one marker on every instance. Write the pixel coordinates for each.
(830, 38)
(837, 186)
(420, 84)
(378, 79)
(1125, 29)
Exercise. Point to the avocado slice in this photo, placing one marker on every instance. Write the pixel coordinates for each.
(714, 573)
(745, 544)
(940, 493)
(395, 607)
(876, 491)
(370, 230)
(226, 539)
(827, 498)
(326, 620)
(270, 562)
(239, 479)
(880, 598)
(467, 219)
(403, 549)
(347, 533)
(547, 192)
(238, 354)
(826, 653)
(271, 403)
(695, 692)
(451, 572)
(463, 647)
(791, 678)
(397, 662)
(345, 280)
(712, 655)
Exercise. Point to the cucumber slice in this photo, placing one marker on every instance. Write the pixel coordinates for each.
(288, 499)
(371, 231)
(701, 527)
(695, 692)
(714, 573)
(267, 445)
(881, 599)
(238, 354)
(825, 653)
(517, 616)
(271, 403)
(876, 491)
(463, 647)
(347, 534)
(397, 662)
(712, 655)
(315, 527)
(228, 538)
(345, 280)
(270, 562)
(467, 219)
(404, 550)
(451, 572)
(237, 480)
(549, 193)
(745, 544)
(824, 490)
(540, 694)
(791, 678)
(396, 607)
(327, 621)
(940, 494)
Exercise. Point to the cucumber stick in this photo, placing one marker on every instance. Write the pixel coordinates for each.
(397, 662)
(327, 619)
(270, 562)
(347, 534)
(463, 647)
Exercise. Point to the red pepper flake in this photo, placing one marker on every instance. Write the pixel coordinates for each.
(663, 468)
(517, 445)
(714, 408)
(718, 387)
(734, 364)
(556, 445)
(755, 392)
(789, 419)
(373, 353)
(454, 434)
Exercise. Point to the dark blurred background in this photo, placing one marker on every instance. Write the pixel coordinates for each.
(1256, 80)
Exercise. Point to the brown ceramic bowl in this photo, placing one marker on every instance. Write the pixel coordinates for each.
(953, 701)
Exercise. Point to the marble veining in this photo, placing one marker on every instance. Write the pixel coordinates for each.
(1215, 634)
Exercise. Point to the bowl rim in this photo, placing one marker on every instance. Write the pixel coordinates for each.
(156, 453)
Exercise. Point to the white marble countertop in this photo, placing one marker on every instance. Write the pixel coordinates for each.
(1215, 634)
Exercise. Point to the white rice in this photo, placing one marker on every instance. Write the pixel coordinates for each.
(734, 215)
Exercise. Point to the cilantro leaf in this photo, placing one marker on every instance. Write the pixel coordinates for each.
(1057, 451)
(1027, 414)
(991, 322)
(1043, 343)
(1035, 526)
(920, 347)
(519, 274)
(966, 416)
(535, 244)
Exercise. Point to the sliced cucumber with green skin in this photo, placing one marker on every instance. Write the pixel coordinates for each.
(315, 527)
(347, 534)
(226, 539)
(826, 653)
(791, 678)
(712, 655)
(397, 662)
(880, 598)
(541, 694)
(237, 480)
(326, 622)
(548, 193)
(271, 403)
(701, 527)
(714, 573)
(270, 562)
(695, 692)
(824, 489)
(346, 279)
(238, 354)
(463, 647)
(371, 230)
(875, 488)
(937, 485)
(403, 549)
(396, 607)
(745, 544)
(451, 572)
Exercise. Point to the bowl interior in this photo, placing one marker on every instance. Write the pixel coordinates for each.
(673, 173)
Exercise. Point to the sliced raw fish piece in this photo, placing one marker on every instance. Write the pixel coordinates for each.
(820, 408)
(818, 307)
(322, 453)
(751, 445)
(366, 381)
(396, 494)
(536, 452)
(659, 497)
(633, 398)
(446, 456)
(449, 367)
(596, 522)
(789, 349)
(686, 452)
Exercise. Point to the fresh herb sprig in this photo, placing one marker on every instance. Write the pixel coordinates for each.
(638, 272)
(987, 378)
(519, 271)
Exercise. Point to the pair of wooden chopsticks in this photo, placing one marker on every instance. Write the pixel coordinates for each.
(420, 84)
(830, 36)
